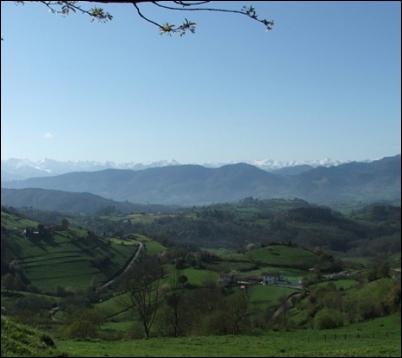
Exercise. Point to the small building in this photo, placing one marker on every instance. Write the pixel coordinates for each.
(253, 279)
(338, 275)
(31, 233)
(271, 278)
(243, 283)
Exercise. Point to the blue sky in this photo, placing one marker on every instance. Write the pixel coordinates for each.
(324, 83)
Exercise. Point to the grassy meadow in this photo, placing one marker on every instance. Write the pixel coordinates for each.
(379, 337)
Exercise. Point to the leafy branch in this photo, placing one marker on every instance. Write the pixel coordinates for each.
(99, 14)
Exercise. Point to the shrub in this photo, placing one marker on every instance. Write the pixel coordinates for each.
(328, 318)
(136, 331)
(85, 325)
(81, 329)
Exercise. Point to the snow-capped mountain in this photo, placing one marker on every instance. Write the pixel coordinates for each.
(272, 165)
(16, 169)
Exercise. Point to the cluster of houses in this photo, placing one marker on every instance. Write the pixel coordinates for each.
(41, 231)
(338, 275)
(28, 232)
(266, 278)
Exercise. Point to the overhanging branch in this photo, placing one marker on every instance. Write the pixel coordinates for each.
(97, 13)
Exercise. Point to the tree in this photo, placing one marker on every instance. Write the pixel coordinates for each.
(182, 280)
(84, 324)
(143, 286)
(173, 301)
(65, 224)
(328, 318)
(237, 310)
(379, 268)
(99, 14)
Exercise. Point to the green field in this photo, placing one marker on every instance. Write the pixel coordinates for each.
(377, 337)
(280, 255)
(263, 297)
(69, 263)
(227, 254)
(199, 277)
(152, 247)
(114, 305)
(13, 222)
(125, 242)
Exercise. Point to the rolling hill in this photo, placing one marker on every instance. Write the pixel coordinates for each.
(69, 202)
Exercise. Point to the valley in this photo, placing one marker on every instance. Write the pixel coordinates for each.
(200, 179)
(285, 270)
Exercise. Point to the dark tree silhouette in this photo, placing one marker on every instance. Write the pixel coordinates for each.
(143, 286)
(99, 14)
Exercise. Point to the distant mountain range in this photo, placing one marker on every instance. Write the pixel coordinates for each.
(17, 169)
(198, 185)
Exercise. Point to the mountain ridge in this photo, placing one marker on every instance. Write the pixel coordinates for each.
(197, 185)
(18, 169)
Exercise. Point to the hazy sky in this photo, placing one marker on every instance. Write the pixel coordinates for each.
(324, 83)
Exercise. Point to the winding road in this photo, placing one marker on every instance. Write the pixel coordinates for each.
(54, 310)
(128, 267)
(290, 302)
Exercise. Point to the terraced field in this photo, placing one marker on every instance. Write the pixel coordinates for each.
(13, 222)
(68, 259)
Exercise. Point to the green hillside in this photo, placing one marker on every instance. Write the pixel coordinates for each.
(62, 257)
(71, 202)
(265, 221)
(279, 255)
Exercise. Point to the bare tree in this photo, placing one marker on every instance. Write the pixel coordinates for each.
(238, 310)
(174, 302)
(143, 286)
(99, 14)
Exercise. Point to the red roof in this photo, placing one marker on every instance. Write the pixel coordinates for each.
(253, 278)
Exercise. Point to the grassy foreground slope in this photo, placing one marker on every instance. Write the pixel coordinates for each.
(379, 337)
(18, 340)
